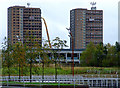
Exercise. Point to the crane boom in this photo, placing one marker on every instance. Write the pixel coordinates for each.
(47, 32)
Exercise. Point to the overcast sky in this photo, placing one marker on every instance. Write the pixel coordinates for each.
(57, 16)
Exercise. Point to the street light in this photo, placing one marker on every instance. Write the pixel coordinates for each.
(72, 66)
(18, 38)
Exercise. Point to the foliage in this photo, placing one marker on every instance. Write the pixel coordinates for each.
(7, 56)
(88, 55)
(18, 55)
(57, 43)
(37, 70)
(101, 55)
(24, 57)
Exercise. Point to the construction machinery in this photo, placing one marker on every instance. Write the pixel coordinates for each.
(47, 32)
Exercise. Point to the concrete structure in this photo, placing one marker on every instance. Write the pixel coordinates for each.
(86, 26)
(119, 21)
(24, 23)
(65, 55)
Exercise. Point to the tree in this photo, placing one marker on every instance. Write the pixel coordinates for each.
(18, 54)
(117, 46)
(88, 56)
(99, 54)
(0, 62)
(111, 57)
(57, 43)
(105, 51)
(6, 55)
(44, 56)
(118, 59)
(32, 52)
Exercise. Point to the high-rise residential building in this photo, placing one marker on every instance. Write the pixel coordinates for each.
(86, 26)
(119, 21)
(24, 24)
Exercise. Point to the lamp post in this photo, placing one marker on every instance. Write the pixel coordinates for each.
(19, 61)
(72, 66)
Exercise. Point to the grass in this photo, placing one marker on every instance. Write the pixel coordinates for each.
(36, 83)
(37, 70)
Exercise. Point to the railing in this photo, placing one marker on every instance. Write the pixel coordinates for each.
(64, 79)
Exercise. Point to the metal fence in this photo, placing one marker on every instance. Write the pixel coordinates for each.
(93, 81)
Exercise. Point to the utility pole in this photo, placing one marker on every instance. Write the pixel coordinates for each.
(72, 66)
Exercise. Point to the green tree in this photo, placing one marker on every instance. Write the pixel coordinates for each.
(117, 46)
(99, 54)
(32, 52)
(118, 59)
(111, 57)
(7, 56)
(18, 55)
(57, 43)
(44, 56)
(88, 56)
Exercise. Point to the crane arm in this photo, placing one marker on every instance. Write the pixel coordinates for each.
(47, 31)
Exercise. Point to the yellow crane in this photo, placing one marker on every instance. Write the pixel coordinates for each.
(47, 32)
